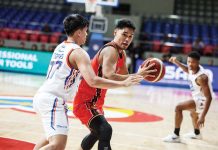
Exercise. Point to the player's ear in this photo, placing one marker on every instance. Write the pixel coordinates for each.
(115, 32)
(75, 33)
(78, 32)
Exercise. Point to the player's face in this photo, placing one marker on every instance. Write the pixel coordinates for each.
(193, 64)
(123, 37)
(83, 35)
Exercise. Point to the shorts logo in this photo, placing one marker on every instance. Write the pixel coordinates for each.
(60, 126)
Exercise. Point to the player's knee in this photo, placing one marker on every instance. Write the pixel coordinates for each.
(105, 132)
(178, 108)
(88, 142)
(193, 114)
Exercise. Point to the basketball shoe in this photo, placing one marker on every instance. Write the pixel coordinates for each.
(173, 138)
(192, 135)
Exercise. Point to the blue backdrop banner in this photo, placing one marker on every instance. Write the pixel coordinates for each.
(175, 77)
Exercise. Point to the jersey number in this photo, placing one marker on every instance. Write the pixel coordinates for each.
(53, 66)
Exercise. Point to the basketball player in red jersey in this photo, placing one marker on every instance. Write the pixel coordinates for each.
(68, 62)
(110, 63)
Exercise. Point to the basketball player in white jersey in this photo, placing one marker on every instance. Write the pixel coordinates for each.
(202, 95)
(68, 61)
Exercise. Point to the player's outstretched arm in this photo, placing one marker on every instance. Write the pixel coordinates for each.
(179, 64)
(83, 63)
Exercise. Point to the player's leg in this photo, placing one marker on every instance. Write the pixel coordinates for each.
(187, 105)
(56, 142)
(200, 104)
(96, 122)
(40, 143)
(194, 116)
(196, 134)
(56, 128)
(103, 129)
(55, 122)
(85, 113)
(89, 141)
(36, 106)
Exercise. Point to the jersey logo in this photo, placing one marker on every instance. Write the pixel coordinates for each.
(71, 78)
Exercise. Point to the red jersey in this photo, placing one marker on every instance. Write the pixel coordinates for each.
(95, 96)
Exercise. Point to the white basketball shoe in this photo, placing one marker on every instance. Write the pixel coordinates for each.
(192, 135)
(172, 138)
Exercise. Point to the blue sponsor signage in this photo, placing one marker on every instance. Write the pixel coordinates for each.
(175, 77)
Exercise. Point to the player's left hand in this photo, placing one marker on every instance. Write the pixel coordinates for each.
(200, 122)
(146, 70)
(133, 80)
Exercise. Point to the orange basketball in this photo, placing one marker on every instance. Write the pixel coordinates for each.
(159, 74)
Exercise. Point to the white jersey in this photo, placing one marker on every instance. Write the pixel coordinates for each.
(61, 79)
(195, 88)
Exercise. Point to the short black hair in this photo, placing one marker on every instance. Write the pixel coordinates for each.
(195, 55)
(74, 22)
(125, 23)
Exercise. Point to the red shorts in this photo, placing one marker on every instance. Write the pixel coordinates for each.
(85, 112)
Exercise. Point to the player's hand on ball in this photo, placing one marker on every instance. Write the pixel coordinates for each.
(147, 69)
(154, 69)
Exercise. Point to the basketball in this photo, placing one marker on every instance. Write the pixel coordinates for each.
(159, 74)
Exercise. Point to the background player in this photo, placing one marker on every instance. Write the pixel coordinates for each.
(198, 106)
(110, 63)
(68, 60)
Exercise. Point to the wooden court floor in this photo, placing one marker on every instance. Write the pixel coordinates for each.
(18, 123)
